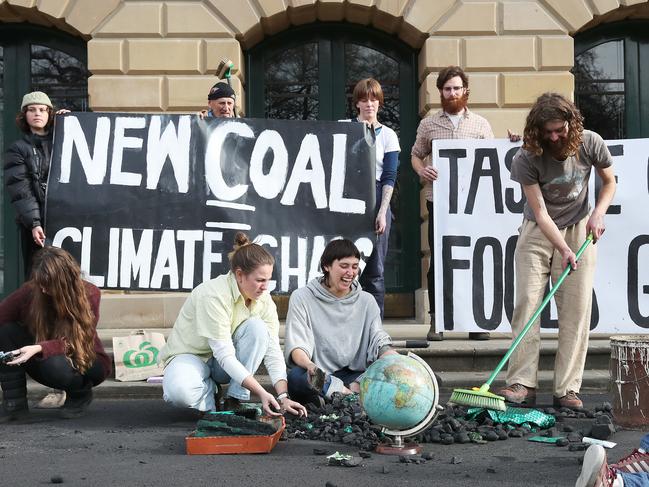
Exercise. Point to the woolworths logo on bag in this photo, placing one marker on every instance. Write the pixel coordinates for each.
(145, 356)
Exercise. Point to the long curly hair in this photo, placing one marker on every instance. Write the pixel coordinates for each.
(60, 308)
(550, 107)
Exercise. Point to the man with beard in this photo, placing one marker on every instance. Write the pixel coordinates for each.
(453, 121)
(553, 168)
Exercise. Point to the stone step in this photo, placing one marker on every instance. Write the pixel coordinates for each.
(454, 353)
(401, 330)
(594, 381)
(468, 355)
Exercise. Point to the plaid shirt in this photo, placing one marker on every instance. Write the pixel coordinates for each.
(440, 126)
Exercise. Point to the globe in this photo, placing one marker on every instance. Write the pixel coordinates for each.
(397, 392)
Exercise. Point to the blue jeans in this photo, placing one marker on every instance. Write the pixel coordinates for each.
(635, 479)
(644, 442)
(371, 279)
(300, 390)
(191, 383)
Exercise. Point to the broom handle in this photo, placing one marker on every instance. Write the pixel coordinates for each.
(536, 314)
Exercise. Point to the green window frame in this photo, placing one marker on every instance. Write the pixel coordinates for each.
(635, 51)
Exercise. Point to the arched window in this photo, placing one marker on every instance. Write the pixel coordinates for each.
(611, 81)
(33, 58)
(308, 73)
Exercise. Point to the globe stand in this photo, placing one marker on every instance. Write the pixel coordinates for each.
(398, 446)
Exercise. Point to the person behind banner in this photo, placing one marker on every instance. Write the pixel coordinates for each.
(26, 168)
(333, 329)
(453, 121)
(220, 102)
(367, 97)
(630, 471)
(553, 168)
(49, 325)
(225, 329)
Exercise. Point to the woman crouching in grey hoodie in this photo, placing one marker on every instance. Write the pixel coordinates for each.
(333, 329)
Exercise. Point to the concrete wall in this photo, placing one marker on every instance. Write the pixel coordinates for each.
(152, 56)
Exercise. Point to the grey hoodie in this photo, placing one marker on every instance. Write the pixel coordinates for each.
(334, 332)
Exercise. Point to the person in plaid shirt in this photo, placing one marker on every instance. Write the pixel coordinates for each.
(453, 121)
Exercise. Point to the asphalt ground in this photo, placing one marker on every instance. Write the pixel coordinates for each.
(141, 443)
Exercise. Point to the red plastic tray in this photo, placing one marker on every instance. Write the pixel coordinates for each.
(227, 445)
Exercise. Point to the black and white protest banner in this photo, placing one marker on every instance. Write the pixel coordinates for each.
(152, 202)
(477, 212)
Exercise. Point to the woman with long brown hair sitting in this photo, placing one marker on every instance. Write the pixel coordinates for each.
(49, 325)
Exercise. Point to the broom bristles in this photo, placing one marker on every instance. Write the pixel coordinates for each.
(478, 399)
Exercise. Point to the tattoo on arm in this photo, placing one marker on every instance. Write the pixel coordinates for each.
(386, 196)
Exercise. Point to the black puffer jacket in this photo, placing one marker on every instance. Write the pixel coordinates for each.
(27, 165)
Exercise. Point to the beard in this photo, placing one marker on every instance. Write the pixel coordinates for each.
(559, 150)
(454, 105)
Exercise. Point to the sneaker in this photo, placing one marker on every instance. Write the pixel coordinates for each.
(479, 335)
(595, 472)
(53, 400)
(13, 410)
(518, 394)
(76, 404)
(634, 463)
(570, 400)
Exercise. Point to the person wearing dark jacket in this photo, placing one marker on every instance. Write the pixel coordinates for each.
(49, 329)
(27, 166)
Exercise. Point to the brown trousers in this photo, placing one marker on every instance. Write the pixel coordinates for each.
(535, 261)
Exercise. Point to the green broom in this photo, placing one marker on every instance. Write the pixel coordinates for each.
(480, 397)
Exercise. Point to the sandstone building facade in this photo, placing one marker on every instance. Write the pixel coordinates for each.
(161, 56)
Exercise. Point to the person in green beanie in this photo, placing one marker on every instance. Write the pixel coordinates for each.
(26, 168)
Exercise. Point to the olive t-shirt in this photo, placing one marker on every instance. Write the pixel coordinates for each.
(564, 184)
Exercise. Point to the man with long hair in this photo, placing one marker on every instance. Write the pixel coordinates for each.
(553, 167)
(453, 121)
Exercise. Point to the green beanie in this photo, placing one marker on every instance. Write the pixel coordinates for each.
(36, 98)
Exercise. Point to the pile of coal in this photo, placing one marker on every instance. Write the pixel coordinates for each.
(342, 420)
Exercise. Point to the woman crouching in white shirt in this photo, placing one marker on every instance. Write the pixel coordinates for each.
(225, 329)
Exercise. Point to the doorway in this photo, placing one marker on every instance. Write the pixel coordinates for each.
(308, 73)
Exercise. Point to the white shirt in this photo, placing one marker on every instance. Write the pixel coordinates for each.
(386, 141)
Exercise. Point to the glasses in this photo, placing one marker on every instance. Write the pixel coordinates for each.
(450, 89)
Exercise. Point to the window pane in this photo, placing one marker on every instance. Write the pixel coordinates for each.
(604, 61)
(63, 77)
(291, 83)
(365, 62)
(2, 151)
(599, 88)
